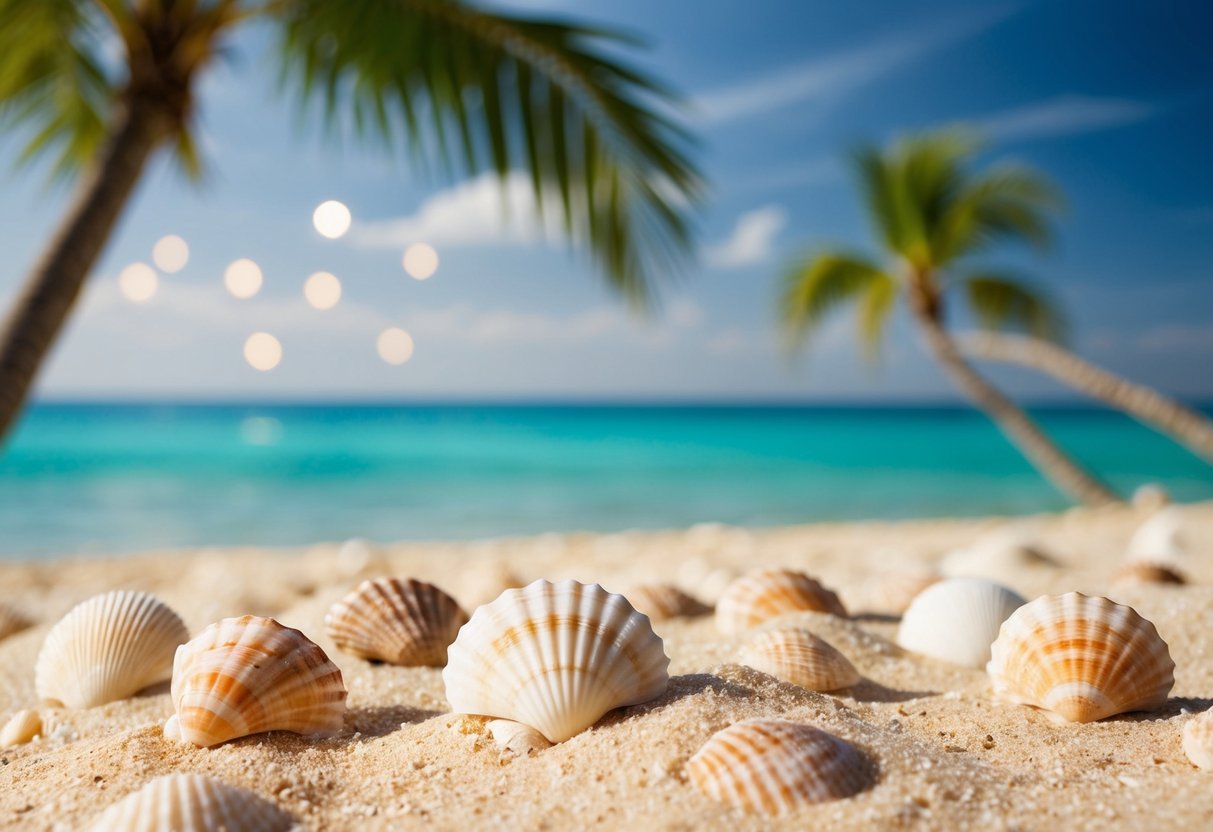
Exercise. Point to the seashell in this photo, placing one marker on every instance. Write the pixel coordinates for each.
(556, 657)
(662, 601)
(247, 675)
(767, 593)
(799, 657)
(1150, 496)
(107, 648)
(22, 727)
(358, 555)
(957, 620)
(1081, 659)
(1198, 740)
(890, 593)
(516, 737)
(773, 767)
(1006, 555)
(1144, 572)
(1160, 539)
(192, 803)
(404, 622)
(11, 621)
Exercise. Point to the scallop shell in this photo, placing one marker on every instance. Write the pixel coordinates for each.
(1081, 659)
(957, 620)
(22, 727)
(662, 601)
(246, 675)
(11, 621)
(768, 593)
(107, 648)
(772, 767)
(1144, 572)
(516, 737)
(405, 622)
(1198, 740)
(890, 593)
(556, 657)
(192, 803)
(799, 657)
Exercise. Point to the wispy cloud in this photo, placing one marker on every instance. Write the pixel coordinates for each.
(828, 78)
(751, 241)
(1065, 115)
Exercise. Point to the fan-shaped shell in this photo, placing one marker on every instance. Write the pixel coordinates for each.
(246, 675)
(192, 803)
(107, 648)
(404, 622)
(772, 767)
(767, 593)
(556, 657)
(21, 727)
(662, 601)
(957, 620)
(11, 621)
(1081, 659)
(799, 657)
(1198, 740)
(1144, 572)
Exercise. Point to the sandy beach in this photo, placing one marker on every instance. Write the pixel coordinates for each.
(948, 756)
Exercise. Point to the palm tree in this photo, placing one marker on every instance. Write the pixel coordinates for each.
(443, 77)
(932, 212)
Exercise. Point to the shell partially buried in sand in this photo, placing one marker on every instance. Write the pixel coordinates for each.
(556, 657)
(1198, 740)
(107, 648)
(247, 675)
(403, 622)
(192, 803)
(1081, 659)
(1139, 572)
(773, 767)
(957, 620)
(663, 601)
(21, 728)
(799, 657)
(768, 593)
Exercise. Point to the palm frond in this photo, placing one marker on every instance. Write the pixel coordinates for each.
(873, 310)
(502, 92)
(816, 286)
(1004, 301)
(1007, 203)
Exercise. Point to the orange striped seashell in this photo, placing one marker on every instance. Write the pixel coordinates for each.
(767, 593)
(1081, 659)
(662, 601)
(403, 622)
(247, 675)
(799, 657)
(771, 767)
(192, 803)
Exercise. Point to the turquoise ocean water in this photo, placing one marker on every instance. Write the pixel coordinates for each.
(105, 478)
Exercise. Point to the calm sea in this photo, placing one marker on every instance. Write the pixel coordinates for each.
(93, 478)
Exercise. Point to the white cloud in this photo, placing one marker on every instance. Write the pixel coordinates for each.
(751, 241)
(1065, 115)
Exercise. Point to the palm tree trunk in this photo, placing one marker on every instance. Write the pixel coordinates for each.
(1050, 460)
(54, 284)
(1149, 406)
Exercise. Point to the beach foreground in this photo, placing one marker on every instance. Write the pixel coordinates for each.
(949, 756)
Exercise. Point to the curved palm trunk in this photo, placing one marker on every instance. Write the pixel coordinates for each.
(54, 284)
(1167, 415)
(1049, 459)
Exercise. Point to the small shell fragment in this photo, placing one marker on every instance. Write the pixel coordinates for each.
(22, 727)
(768, 593)
(404, 622)
(517, 738)
(1198, 740)
(799, 657)
(662, 601)
(192, 803)
(1137, 572)
(957, 620)
(773, 767)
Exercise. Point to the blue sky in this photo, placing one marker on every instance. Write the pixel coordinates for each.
(1113, 99)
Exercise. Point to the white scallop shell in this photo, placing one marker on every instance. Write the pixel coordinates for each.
(11, 621)
(1198, 740)
(772, 767)
(764, 594)
(799, 657)
(1081, 659)
(556, 657)
(662, 601)
(517, 738)
(22, 727)
(107, 648)
(247, 675)
(404, 622)
(957, 620)
(192, 803)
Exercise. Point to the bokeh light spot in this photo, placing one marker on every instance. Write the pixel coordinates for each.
(395, 346)
(170, 254)
(262, 351)
(243, 278)
(420, 261)
(322, 290)
(332, 219)
(138, 282)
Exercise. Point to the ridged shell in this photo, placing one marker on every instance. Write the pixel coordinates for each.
(11, 621)
(799, 657)
(107, 648)
(556, 657)
(22, 727)
(772, 767)
(1081, 659)
(1198, 740)
(1137, 572)
(405, 622)
(517, 738)
(957, 620)
(662, 601)
(192, 803)
(767, 593)
(890, 593)
(247, 675)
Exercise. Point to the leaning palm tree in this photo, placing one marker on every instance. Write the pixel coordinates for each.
(932, 213)
(104, 85)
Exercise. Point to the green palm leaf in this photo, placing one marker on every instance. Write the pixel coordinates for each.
(1006, 301)
(815, 287)
(1006, 203)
